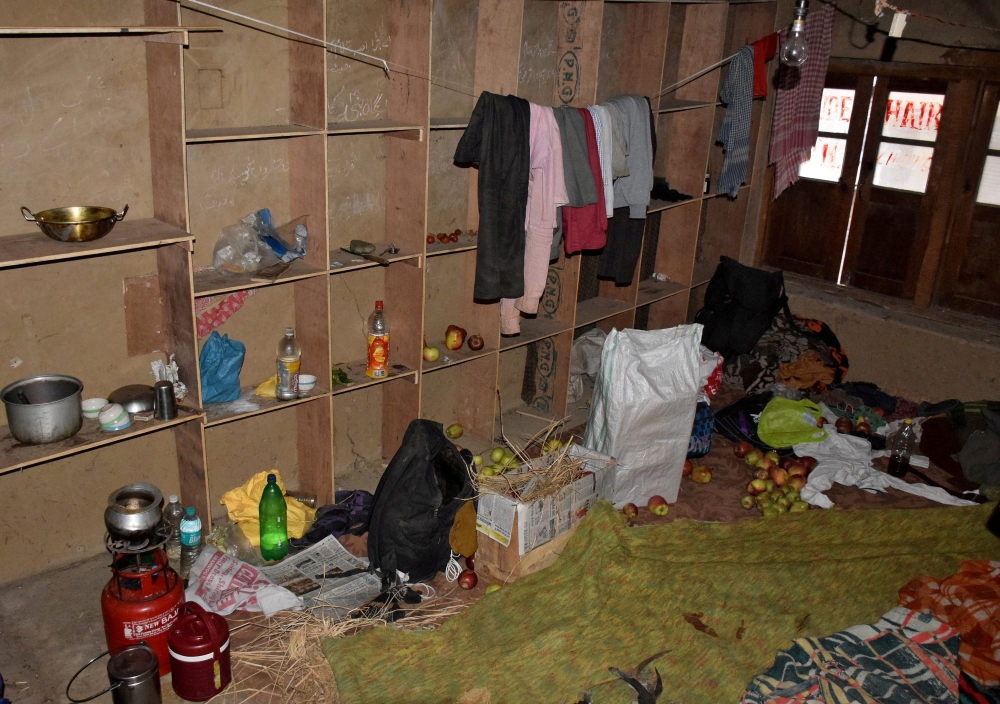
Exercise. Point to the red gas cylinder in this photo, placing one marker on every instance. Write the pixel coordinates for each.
(141, 603)
(199, 654)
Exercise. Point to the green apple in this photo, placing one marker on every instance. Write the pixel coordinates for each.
(496, 454)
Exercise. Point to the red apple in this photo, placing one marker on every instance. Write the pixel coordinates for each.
(756, 487)
(863, 427)
(760, 473)
(475, 343)
(741, 449)
(467, 580)
(687, 468)
(701, 475)
(844, 425)
(797, 470)
(767, 464)
(773, 456)
(470, 562)
(753, 457)
(778, 476)
(630, 510)
(787, 462)
(797, 482)
(454, 337)
(658, 506)
(821, 421)
(808, 462)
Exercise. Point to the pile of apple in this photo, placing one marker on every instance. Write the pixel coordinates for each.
(454, 338)
(776, 481)
(699, 475)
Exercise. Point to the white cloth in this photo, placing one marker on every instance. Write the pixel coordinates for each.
(847, 460)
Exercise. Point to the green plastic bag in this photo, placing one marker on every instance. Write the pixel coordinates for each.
(784, 422)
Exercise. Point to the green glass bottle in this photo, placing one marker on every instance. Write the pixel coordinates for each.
(273, 515)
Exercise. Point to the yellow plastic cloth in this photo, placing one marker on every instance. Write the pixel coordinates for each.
(243, 507)
(269, 389)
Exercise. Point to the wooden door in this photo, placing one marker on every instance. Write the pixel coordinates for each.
(807, 223)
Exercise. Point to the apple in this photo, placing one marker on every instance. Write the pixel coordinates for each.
(778, 476)
(780, 508)
(470, 562)
(454, 337)
(863, 427)
(475, 343)
(756, 487)
(454, 431)
(797, 470)
(701, 475)
(630, 510)
(797, 482)
(496, 454)
(493, 588)
(769, 483)
(821, 421)
(467, 580)
(787, 462)
(747, 502)
(767, 464)
(490, 471)
(799, 507)
(808, 462)
(760, 473)
(844, 425)
(753, 457)
(430, 239)
(741, 449)
(431, 354)
(769, 511)
(657, 505)
(773, 456)
(762, 500)
(477, 460)
(688, 468)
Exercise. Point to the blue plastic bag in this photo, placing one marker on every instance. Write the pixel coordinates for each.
(221, 360)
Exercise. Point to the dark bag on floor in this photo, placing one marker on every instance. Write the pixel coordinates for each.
(349, 514)
(740, 304)
(415, 504)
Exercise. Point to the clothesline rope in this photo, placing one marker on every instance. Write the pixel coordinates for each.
(694, 76)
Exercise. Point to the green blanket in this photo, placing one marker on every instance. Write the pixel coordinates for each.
(723, 598)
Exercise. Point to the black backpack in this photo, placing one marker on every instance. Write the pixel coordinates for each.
(415, 504)
(740, 305)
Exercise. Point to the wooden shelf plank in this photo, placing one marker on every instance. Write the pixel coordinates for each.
(651, 291)
(114, 31)
(464, 244)
(341, 261)
(356, 371)
(212, 281)
(597, 308)
(449, 123)
(36, 247)
(14, 455)
(532, 330)
(248, 405)
(241, 134)
(370, 126)
(454, 357)
(678, 105)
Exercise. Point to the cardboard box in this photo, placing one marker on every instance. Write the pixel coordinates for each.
(519, 538)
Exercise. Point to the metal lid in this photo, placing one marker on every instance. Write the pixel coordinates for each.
(133, 665)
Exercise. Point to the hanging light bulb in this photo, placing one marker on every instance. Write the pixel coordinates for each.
(795, 48)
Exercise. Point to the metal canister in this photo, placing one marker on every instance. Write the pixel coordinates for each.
(164, 402)
(133, 677)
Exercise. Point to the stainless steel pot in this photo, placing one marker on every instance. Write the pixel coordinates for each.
(133, 674)
(76, 224)
(133, 511)
(43, 409)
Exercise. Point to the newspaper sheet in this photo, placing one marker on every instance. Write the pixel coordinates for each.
(312, 576)
(495, 517)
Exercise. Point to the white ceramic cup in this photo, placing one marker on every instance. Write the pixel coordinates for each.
(92, 407)
(307, 382)
(114, 417)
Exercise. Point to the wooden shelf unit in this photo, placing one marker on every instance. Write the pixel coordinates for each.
(305, 131)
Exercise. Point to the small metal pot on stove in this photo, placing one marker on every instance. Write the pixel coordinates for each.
(133, 511)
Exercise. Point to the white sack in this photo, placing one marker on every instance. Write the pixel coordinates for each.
(643, 409)
(585, 359)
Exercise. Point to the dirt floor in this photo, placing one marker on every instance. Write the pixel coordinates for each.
(51, 625)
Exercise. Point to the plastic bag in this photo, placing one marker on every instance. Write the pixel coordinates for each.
(239, 249)
(220, 360)
(585, 359)
(643, 409)
(785, 422)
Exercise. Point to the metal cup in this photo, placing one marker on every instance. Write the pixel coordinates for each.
(164, 402)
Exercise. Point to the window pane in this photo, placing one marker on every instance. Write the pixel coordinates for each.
(826, 160)
(835, 112)
(903, 166)
(995, 137)
(989, 186)
(913, 116)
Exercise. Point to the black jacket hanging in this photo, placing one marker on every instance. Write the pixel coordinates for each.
(497, 139)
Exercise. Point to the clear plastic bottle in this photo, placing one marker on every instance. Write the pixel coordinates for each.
(273, 517)
(172, 515)
(190, 541)
(901, 445)
(378, 343)
(289, 359)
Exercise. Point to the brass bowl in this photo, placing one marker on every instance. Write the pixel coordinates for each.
(77, 224)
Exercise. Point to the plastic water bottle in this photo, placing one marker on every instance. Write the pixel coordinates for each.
(901, 445)
(289, 359)
(172, 516)
(378, 343)
(273, 516)
(190, 540)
